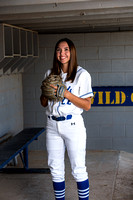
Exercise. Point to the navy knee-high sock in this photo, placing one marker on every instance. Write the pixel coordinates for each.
(59, 190)
(83, 190)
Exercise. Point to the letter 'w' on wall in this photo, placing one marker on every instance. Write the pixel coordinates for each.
(113, 96)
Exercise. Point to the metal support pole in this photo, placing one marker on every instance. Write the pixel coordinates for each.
(26, 157)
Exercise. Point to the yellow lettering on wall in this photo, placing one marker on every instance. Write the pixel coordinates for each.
(100, 97)
(117, 97)
(123, 97)
(112, 102)
(107, 97)
(132, 97)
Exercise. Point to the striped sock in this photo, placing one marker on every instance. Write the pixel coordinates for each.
(59, 190)
(83, 190)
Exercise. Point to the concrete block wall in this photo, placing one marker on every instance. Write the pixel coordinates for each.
(108, 57)
(11, 104)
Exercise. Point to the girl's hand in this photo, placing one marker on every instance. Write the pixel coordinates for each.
(55, 88)
(57, 92)
(44, 101)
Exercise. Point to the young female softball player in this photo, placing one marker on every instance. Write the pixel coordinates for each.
(65, 125)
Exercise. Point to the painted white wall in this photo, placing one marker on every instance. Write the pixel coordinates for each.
(108, 57)
(11, 104)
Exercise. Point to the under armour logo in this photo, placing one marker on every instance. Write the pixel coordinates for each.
(73, 123)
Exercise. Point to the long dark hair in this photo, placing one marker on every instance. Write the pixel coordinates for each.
(72, 66)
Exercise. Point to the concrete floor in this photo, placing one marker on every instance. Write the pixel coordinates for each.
(110, 175)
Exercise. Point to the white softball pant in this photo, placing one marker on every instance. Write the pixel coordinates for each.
(71, 135)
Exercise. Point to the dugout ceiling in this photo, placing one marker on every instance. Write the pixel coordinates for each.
(68, 16)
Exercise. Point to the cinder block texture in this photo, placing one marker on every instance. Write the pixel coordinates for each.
(111, 52)
(122, 65)
(98, 40)
(11, 104)
(111, 79)
(108, 57)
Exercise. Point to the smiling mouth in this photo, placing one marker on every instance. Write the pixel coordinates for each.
(63, 59)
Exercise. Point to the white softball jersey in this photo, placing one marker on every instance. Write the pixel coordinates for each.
(80, 87)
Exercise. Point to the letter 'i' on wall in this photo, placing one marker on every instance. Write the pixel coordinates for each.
(113, 96)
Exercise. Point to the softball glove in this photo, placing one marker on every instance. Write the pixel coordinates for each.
(49, 92)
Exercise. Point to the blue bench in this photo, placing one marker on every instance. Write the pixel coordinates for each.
(18, 145)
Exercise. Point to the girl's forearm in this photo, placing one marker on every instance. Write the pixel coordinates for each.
(77, 101)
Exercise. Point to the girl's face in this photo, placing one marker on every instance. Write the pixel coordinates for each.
(63, 53)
